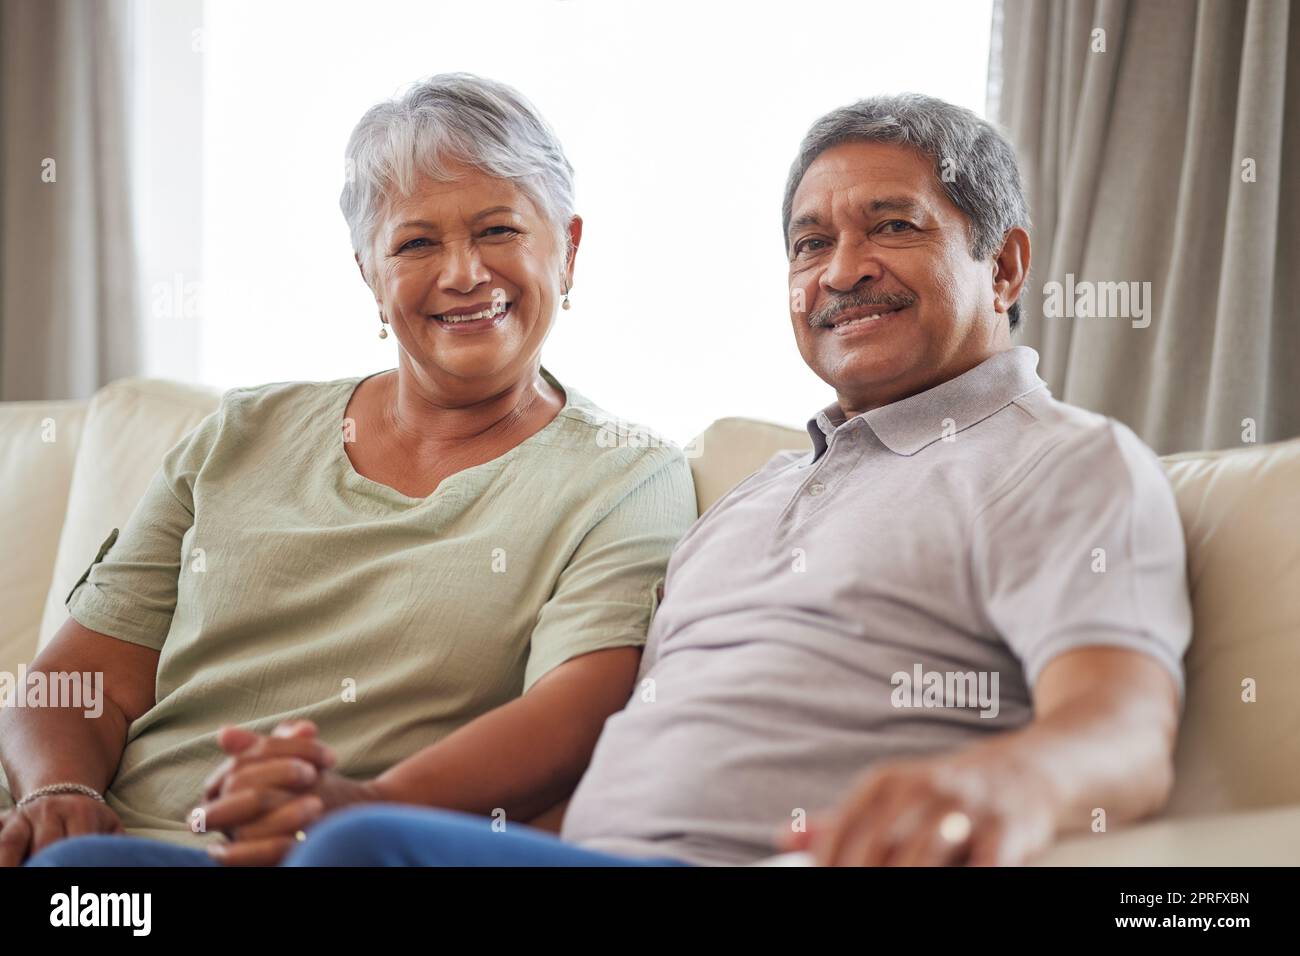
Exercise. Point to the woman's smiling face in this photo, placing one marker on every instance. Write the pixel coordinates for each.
(475, 246)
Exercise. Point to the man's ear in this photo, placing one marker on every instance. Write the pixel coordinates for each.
(1010, 269)
(575, 239)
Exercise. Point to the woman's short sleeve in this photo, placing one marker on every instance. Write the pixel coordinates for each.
(607, 593)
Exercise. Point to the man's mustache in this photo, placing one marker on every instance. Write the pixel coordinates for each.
(886, 301)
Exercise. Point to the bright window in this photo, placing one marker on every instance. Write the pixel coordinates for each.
(681, 119)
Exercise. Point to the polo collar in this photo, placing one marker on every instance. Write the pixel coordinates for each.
(912, 423)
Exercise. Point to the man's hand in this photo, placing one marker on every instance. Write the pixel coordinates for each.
(26, 832)
(1102, 737)
(269, 788)
(935, 812)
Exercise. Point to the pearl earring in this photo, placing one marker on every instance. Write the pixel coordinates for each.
(383, 327)
(565, 304)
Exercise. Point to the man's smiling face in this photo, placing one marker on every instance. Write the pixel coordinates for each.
(880, 260)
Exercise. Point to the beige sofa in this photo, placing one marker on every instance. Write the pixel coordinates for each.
(71, 471)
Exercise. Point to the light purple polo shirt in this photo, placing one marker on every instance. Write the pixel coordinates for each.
(895, 592)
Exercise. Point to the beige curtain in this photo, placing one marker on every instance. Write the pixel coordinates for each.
(1164, 149)
(68, 317)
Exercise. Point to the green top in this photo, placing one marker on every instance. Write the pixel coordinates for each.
(279, 583)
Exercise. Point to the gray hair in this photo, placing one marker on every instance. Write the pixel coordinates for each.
(987, 185)
(460, 118)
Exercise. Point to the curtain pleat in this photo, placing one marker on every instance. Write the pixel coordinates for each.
(1134, 160)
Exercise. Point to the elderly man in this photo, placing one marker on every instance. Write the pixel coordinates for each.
(954, 527)
(950, 633)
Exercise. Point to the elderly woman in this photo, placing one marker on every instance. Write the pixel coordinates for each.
(434, 580)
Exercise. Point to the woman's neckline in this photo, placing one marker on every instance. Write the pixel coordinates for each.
(449, 484)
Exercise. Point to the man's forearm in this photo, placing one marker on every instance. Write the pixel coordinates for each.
(1091, 754)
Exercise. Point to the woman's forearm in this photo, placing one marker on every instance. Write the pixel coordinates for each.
(44, 745)
(526, 756)
(41, 745)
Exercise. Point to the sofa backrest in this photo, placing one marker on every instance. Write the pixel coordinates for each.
(1241, 723)
(731, 449)
(129, 426)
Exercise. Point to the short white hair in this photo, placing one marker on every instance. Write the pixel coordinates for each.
(452, 118)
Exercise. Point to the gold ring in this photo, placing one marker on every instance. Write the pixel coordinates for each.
(955, 827)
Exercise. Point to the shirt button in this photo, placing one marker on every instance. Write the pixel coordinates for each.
(816, 488)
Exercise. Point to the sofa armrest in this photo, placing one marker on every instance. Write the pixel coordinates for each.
(1268, 837)
(38, 446)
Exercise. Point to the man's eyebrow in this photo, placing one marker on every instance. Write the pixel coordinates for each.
(904, 204)
(807, 219)
(900, 204)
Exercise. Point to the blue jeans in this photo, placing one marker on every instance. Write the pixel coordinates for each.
(366, 836)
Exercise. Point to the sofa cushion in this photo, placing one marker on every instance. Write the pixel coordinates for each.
(129, 426)
(38, 447)
(1241, 515)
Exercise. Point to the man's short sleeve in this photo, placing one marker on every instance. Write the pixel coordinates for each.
(1086, 549)
(606, 594)
(129, 590)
